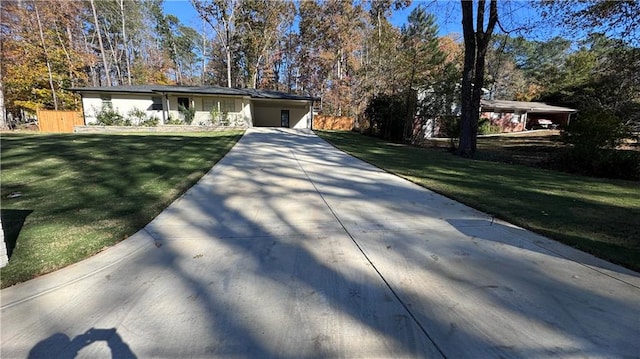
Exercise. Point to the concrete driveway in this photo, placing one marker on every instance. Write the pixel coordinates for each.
(289, 248)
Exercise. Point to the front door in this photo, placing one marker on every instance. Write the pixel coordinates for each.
(284, 118)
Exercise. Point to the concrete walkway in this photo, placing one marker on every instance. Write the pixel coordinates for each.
(289, 248)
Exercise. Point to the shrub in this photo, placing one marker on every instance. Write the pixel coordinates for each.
(174, 121)
(224, 119)
(449, 127)
(387, 115)
(594, 136)
(107, 116)
(214, 114)
(188, 113)
(484, 126)
(137, 116)
(594, 130)
(608, 163)
(150, 122)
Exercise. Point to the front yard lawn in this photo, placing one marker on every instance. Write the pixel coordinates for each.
(596, 215)
(66, 197)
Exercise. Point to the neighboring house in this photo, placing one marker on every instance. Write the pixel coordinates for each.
(512, 116)
(213, 105)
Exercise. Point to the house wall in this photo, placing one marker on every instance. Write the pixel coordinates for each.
(247, 112)
(123, 103)
(91, 105)
(266, 113)
(507, 121)
(240, 117)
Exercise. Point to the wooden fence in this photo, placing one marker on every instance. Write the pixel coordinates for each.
(59, 121)
(326, 122)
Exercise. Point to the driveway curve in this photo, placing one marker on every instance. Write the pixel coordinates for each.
(289, 248)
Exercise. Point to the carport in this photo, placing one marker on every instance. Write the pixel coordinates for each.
(277, 109)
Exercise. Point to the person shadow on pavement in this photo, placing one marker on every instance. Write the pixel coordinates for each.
(59, 345)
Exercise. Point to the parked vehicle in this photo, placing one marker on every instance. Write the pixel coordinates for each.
(539, 123)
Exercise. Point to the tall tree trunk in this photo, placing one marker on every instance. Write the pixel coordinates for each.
(176, 64)
(410, 110)
(227, 48)
(475, 48)
(227, 25)
(3, 114)
(66, 53)
(124, 42)
(376, 85)
(92, 67)
(46, 56)
(3, 117)
(465, 146)
(104, 56)
(254, 73)
(204, 55)
(116, 63)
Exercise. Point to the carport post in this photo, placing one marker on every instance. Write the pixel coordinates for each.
(311, 116)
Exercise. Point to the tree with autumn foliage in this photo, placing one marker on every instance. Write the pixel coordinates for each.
(259, 24)
(331, 34)
(43, 53)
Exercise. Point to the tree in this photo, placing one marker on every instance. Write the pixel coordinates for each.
(125, 42)
(220, 15)
(476, 42)
(44, 59)
(331, 35)
(421, 52)
(379, 11)
(3, 114)
(617, 19)
(259, 24)
(102, 52)
(603, 76)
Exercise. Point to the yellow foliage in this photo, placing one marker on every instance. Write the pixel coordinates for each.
(28, 105)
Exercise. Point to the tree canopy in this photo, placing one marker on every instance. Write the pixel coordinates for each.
(350, 54)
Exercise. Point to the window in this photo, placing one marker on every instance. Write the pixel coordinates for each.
(183, 101)
(227, 105)
(209, 104)
(106, 101)
(515, 118)
(157, 103)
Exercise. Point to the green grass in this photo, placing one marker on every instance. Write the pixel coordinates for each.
(81, 193)
(599, 216)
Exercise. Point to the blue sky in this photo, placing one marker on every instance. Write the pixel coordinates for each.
(447, 14)
(188, 15)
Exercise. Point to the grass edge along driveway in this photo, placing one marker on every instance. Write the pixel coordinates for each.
(66, 197)
(599, 216)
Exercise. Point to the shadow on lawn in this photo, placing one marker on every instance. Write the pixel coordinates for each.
(566, 207)
(12, 223)
(238, 260)
(109, 186)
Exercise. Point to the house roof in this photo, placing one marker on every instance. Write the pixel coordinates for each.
(200, 90)
(530, 107)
